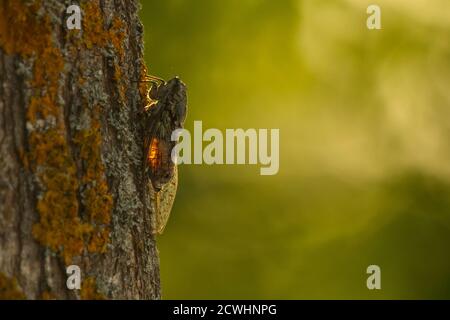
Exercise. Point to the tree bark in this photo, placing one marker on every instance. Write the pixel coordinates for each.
(71, 137)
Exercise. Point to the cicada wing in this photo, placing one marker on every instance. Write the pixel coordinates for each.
(163, 203)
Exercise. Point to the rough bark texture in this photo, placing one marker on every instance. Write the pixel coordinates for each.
(71, 188)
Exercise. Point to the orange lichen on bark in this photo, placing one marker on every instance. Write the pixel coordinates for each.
(9, 289)
(96, 36)
(22, 40)
(97, 199)
(94, 33)
(89, 290)
(60, 226)
(117, 35)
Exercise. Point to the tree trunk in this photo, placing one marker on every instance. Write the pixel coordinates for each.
(71, 137)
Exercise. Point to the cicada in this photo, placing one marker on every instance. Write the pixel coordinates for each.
(165, 113)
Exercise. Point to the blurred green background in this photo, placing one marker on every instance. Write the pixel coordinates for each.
(364, 119)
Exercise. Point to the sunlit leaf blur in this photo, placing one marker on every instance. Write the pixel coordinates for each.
(364, 119)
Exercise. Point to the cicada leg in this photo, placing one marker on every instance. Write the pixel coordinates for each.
(154, 81)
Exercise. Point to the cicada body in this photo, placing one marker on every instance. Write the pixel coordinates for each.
(166, 113)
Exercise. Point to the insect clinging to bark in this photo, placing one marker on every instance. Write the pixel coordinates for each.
(165, 113)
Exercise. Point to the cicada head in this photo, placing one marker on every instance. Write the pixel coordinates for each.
(172, 97)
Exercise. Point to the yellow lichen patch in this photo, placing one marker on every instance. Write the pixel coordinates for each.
(36, 111)
(96, 197)
(20, 31)
(9, 289)
(95, 35)
(47, 69)
(89, 290)
(117, 35)
(59, 227)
